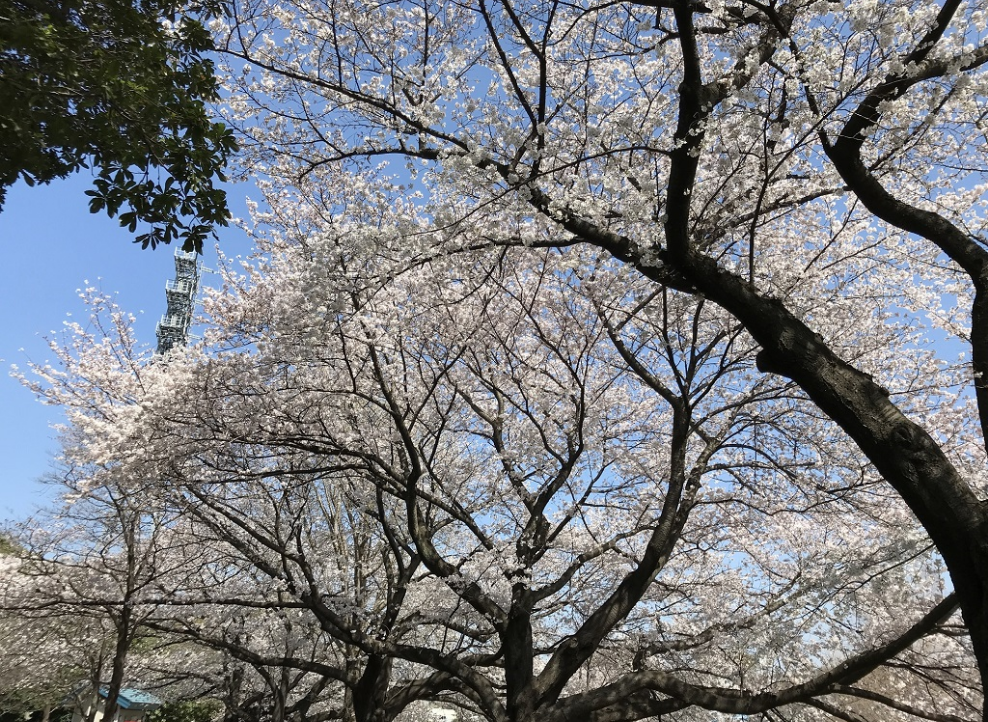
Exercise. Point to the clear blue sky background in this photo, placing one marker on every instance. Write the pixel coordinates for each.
(51, 246)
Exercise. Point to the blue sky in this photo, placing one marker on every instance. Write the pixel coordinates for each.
(51, 247)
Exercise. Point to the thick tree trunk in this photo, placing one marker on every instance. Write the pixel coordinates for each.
(370, 693)
(119, 663)
(516, 640)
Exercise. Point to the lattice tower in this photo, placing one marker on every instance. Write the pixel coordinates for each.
(173, 328)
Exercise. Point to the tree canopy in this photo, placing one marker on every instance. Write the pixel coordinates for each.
(607, 361)
(121, 87)
(724, 150)
(492, 483)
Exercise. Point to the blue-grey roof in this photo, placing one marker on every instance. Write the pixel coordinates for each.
(130, 698)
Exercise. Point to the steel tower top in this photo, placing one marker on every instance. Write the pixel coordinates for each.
(173, 328)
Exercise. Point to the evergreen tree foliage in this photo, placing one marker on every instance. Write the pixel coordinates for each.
(121, 87)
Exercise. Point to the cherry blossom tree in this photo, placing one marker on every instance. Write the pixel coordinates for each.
(815, 169)
(84, 579)
(221, 586)
(40, 658)
(597, 362)
(523, 484)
